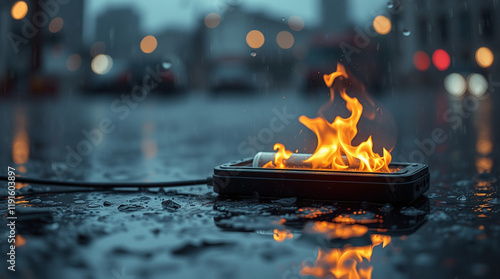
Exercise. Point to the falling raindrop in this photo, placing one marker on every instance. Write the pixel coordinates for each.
(390, 5)
(282, 19)
(406, 32)
(166, 64)
(253, 53)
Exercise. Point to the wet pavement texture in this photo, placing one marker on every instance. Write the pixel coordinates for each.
(190, 232)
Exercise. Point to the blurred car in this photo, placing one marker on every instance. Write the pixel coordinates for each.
(231, 75)
(117, 79)
(171, 71)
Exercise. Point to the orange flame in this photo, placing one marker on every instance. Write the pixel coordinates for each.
(335, 150)
(281, 155)
(343, 262)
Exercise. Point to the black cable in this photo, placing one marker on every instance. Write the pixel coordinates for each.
(110, 184)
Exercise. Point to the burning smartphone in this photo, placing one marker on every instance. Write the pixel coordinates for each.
(404, 183)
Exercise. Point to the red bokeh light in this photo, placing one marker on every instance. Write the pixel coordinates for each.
(441, 59)
(421, 61)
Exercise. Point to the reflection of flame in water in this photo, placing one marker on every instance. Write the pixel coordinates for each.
(281, 235)
(335, 150)
(343, 262)
(20, 142)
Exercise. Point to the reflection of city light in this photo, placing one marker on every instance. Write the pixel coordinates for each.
(97, 48)
(101, 64)
(477, 84)
(484, 164)
(441, 59)
(20, 144)
(484, 146)
(19, 10)
(255, 39)
(421, 61)
(484, 57)
(285, 39)
(455, 84)
(148, 44)
(296, 23)
(56, 25)
(212, 20)
(73, 62)
(382, 25)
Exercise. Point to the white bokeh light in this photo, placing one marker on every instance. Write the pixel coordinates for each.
(477, 84)
(455, 84)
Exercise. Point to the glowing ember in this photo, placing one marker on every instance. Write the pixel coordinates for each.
(335, 150)
(281, 235)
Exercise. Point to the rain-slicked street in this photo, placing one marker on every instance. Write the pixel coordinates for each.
(189, 232)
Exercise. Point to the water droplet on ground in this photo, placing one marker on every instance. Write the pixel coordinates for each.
(93, 205)
(130, 207)
(406, 32)
(386, 208)
(462, 198)
(411, 211)
(107, 203)
(438, 216)
(79, 201)
(170, 205)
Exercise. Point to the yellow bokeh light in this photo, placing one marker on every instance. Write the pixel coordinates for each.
(382, 25)
(285, 39)
(296, 23)
(484, 57)
(19, 10)
(212, 20)
(255, 39)
(56, 25)
(148, 44)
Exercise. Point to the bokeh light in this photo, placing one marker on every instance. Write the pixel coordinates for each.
(101, 64)
(56, 24)
(477, 84)
(97, 48)
(212, 20)
(296, 23)
(441, 59)
(382, 25)
(455, 84)
(255, 39)
(148, 44)
(421, 61)
(19, 10)
(73, 62)
(285, 39)
(484, 57)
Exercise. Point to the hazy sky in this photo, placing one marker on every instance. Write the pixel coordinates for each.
(156, 14)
